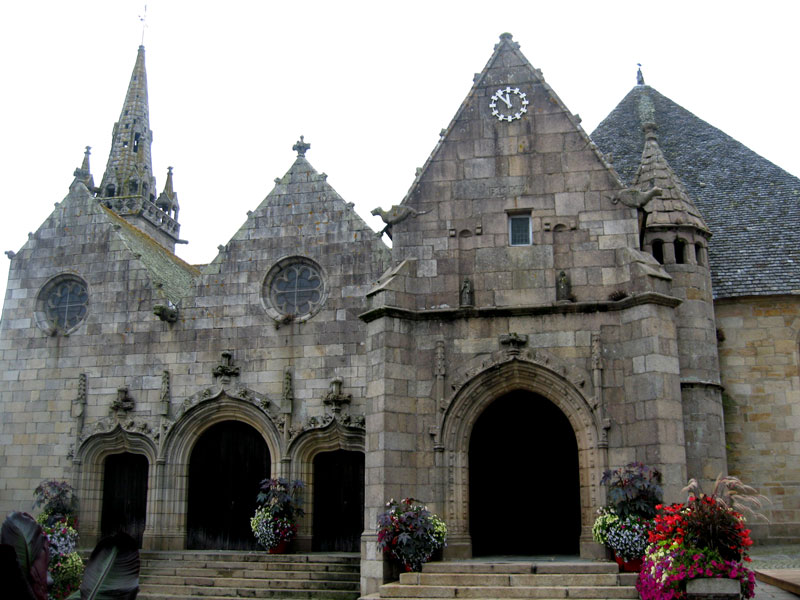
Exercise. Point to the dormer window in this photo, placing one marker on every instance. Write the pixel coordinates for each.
(520, 231)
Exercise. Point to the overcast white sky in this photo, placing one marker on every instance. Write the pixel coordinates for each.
(370, 84)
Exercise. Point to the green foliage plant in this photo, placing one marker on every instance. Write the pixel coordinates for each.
(634, 489)
(606, 520)
(282, 497)
(409, 533)
(24, 554)
(58, 500)
(112, 572)
(65, 566)
(280, 506)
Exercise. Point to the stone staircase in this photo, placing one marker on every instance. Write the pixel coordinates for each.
(490, 580)
(218, 575)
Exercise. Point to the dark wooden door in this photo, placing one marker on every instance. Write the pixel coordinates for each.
(226, 466)
(524, 490)
(338, 501)
(124, 495)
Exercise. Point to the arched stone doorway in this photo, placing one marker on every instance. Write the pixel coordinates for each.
(124, 495)
(504, 376)
(226, 465)
(338, 517)
(524, 488)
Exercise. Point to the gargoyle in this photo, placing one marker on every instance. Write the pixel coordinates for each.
(395, 214)
(168, 313)
(638, 200)
(635, 198)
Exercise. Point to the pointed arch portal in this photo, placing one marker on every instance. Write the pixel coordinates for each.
(124, 495)
(227, 464)
(523, 465)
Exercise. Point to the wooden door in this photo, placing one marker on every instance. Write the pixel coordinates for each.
(225, 468)
(124, 495)
(338, 501)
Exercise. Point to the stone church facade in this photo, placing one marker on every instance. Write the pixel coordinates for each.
(545, 311)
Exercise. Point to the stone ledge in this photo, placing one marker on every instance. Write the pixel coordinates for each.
(449, 314)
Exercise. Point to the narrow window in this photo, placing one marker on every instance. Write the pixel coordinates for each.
(680, 252)
(519, 230)
(658, 251)
(136, 142)
(110, 191)
(698, 253)
(133, 187)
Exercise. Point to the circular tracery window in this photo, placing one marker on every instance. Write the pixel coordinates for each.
(62, 304)
(294, 288)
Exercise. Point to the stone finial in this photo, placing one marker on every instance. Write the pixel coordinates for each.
(225, 370)
(514, 342)
(334, 400)
(650, 130)
(639, 76)
(123, 402)
(301, 147)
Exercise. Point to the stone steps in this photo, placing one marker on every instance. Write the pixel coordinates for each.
(222, 575)
(496, 580)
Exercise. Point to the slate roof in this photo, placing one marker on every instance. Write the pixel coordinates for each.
(173, 277)
(749, 204)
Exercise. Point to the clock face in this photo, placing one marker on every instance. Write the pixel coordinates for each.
(509, 104)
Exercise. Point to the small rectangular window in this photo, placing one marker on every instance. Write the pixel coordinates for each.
(519, 230)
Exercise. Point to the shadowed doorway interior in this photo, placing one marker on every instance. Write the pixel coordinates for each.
(226, 466)
(524, 490)
(124, 495)
(338, 501)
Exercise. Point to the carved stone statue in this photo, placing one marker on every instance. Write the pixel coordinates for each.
(397, 213)
(467, 294)
(563, 288)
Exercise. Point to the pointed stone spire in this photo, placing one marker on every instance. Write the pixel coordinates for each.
(129, 186)
(674, 207)
(129, 171)
(168, 199)
(83, 173)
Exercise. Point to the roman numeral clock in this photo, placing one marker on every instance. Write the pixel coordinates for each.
(509, 104)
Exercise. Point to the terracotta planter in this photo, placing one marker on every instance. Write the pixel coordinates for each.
(280, 548)
(630, 566)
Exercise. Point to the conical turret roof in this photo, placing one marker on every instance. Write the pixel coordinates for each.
(673, 207)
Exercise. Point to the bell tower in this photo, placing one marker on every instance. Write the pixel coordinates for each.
(128, 186)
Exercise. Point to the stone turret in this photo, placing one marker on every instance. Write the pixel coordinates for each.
(129, 186)
(677, 236)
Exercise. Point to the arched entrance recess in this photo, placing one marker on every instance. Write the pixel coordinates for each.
(523, 457)
(180, 443)
(330, 460)
(515, 375)
(136, 454)
(124, 495)
(226, 465)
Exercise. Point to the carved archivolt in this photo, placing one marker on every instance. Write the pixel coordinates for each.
(527, 371)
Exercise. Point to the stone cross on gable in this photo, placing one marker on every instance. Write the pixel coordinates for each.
(300, 147)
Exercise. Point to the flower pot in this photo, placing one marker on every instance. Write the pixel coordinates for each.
(713, 587)
(280, 548)
(630, 566)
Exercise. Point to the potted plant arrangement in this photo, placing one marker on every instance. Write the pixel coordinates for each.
(623, 525)
(279, 506)
(59, 521)
(704, 537)
(409, 533)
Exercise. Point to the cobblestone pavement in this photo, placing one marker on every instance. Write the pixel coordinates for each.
(774, 557)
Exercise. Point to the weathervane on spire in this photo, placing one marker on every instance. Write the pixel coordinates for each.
(143, 19)
(639, 76)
